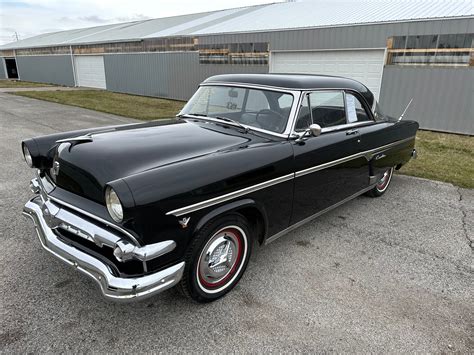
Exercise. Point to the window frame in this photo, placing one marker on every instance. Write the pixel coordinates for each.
(368, 113)
(305, 94)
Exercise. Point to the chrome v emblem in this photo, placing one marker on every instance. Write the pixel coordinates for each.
(184, 221)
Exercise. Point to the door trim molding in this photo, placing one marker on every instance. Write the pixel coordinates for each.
(317, 214)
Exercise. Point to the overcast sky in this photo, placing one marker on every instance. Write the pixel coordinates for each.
(32, 17)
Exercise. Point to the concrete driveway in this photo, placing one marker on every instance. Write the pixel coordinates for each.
(393, 274)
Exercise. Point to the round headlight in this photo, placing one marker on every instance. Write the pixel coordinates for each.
(27, 156)
(114, 206)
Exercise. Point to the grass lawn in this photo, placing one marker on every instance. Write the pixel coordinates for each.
(139, 107)
(20, 84)
(441, 156)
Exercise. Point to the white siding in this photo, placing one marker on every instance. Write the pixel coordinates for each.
(90, 71)
(365, 66)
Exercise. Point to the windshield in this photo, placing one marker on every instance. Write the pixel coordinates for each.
(258, 108)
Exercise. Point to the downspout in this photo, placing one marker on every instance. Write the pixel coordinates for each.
(73, 66)
(16, 63)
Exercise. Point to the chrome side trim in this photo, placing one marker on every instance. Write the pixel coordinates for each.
(313, 169)
(112, 287)
(310, 218)
(368, 154)
(216, 200)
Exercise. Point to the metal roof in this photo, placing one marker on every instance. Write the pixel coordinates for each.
(270, 17)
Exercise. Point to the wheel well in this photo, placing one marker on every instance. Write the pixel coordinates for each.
(256, 220)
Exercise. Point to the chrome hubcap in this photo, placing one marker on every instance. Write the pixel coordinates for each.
(218, 257)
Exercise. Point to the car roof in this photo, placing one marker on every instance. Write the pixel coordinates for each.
(295, 82)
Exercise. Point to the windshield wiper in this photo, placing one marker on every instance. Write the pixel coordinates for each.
(225, 119)
(230, 120)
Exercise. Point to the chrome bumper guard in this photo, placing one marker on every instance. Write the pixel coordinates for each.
(47, 217)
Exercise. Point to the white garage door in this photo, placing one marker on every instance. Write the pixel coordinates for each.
(90, 71)
(365, 66)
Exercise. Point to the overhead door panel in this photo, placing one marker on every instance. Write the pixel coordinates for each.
(90, 71)
(365, 66)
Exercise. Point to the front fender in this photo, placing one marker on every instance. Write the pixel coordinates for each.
(236, 206)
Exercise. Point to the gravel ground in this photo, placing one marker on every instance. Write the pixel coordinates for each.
(393, 274)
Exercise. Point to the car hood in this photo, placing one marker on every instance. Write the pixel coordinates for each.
(85, 167)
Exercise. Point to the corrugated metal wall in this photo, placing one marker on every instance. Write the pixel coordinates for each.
(361, 36)
(3, 75)
(443, 97)
(54, 69)
(172, 75)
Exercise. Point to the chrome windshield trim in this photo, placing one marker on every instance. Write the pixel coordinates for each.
(223, 198)
(368, 154)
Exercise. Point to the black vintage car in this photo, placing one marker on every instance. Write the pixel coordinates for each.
(143, 207)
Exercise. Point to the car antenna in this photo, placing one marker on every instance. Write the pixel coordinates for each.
(405, 110)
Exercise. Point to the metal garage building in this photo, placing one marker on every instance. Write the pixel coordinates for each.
(421, 49)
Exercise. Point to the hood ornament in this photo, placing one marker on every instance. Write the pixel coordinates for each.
(76, 140)
(80, 139)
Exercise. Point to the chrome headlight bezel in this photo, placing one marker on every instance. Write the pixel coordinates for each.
(114, 206)
(27, 156)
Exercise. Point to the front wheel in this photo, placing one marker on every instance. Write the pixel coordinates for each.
(382, 185)
(217, 258)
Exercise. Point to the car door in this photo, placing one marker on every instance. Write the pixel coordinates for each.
(376, 138)
(328, 168)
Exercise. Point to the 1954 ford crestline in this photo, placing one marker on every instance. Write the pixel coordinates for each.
(143, 207)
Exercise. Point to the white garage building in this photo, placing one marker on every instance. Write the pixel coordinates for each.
(420, 49)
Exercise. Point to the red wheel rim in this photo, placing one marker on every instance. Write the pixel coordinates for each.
(221, 259)
(385, 180)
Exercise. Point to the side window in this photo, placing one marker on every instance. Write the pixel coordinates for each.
(256, 101)
(328, 108)
(304, 116)
(355, 110)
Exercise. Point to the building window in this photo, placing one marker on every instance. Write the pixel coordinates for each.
(233, 53)
(434, 50)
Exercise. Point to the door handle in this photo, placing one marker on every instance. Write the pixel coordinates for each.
(352, 131)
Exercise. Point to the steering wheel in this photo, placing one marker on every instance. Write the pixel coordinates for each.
(270, 122)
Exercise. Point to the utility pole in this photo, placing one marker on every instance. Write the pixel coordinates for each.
(17, 38)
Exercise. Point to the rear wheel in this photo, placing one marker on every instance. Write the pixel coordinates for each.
(382, 185)
(217, 258)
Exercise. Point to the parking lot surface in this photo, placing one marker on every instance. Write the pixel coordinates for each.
(393, 274)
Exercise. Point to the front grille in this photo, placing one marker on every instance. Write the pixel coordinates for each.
(130, 268)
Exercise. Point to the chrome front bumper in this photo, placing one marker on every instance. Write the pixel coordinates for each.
(113, 288)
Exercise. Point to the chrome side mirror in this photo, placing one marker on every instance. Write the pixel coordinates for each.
(315, 129)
